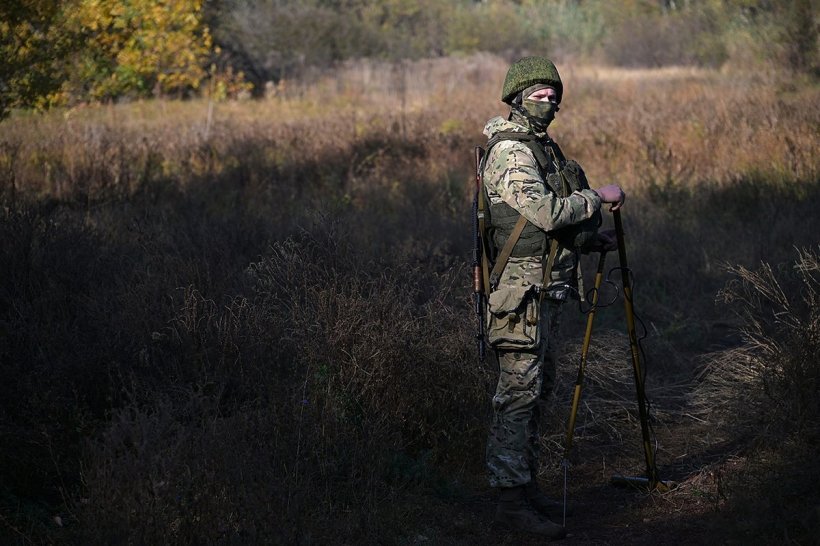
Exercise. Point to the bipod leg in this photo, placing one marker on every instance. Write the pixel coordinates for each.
(651, 481)
(579, 381)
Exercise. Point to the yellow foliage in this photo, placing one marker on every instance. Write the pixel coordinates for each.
(224, 84)
(31, 45)
(142, 47)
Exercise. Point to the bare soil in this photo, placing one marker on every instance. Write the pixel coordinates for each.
(602, 513)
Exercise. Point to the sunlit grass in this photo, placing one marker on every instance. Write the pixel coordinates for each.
(284, 282)
(671, 125)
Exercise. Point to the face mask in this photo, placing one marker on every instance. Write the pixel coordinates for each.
(540, 113)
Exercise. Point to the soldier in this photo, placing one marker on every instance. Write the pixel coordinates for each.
(525, 174)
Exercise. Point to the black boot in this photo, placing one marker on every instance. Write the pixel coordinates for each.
(544, 504)
(515, 513)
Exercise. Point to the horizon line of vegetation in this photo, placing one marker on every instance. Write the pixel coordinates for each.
(73, 51)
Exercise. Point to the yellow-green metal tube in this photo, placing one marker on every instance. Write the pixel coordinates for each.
(651, 470)
(576, 396)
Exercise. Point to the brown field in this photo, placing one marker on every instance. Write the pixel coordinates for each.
(250, 322)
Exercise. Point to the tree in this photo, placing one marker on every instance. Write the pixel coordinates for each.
(140, 47)
(34, 41)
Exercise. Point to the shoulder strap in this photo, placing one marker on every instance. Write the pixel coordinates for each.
(504, 255)
(538, 150)
(481, 219)
(506, 250)
(556, 152)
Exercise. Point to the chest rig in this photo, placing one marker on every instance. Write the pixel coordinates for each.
(508, 233)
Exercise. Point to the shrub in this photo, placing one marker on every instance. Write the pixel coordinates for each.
(763, 395)
(781, 329)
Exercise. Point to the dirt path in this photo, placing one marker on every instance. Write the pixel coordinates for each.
(603, 515)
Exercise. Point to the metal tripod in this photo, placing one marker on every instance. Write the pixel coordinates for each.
(651, 481)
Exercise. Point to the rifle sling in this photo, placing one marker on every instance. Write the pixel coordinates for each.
(541, 158)
(504, 255)
(481, 210)
(482, 226)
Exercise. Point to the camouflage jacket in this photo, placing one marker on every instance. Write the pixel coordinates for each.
(511, 175)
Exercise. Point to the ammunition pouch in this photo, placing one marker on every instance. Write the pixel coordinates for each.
(513, 321)
(571, 179)
(568, 178)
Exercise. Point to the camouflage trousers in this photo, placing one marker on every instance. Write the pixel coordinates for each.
(526, 380)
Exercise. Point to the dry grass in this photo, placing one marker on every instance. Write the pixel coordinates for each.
(639, 127)
(283, 283)
(764, 392)
(777, 364)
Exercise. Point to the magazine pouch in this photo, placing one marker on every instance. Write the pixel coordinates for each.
(512, 320)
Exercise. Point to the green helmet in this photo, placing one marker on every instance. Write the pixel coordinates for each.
(527, 72)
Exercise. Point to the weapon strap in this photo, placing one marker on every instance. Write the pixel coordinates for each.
(482, 220)
(504, 255)
(532, 142)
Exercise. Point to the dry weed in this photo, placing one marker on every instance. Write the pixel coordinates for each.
(673, 126)
(763, 394)
(284, 284)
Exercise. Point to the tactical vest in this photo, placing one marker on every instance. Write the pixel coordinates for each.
(563, 177)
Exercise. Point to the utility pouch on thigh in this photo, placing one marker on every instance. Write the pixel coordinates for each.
(512, 320)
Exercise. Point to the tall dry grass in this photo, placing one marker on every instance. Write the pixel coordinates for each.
(765, 391)
(249, 321)
(681, 126)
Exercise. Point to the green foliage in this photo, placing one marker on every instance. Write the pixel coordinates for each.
(79, 50)
(139, 47)
(58, 52)
(32, 44)
(781, 34)
(560, 27)
(279, 39)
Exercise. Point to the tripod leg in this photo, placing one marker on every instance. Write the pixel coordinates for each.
(576, 396)
(649, 454)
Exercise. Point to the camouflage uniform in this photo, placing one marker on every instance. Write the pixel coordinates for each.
(511, 175)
